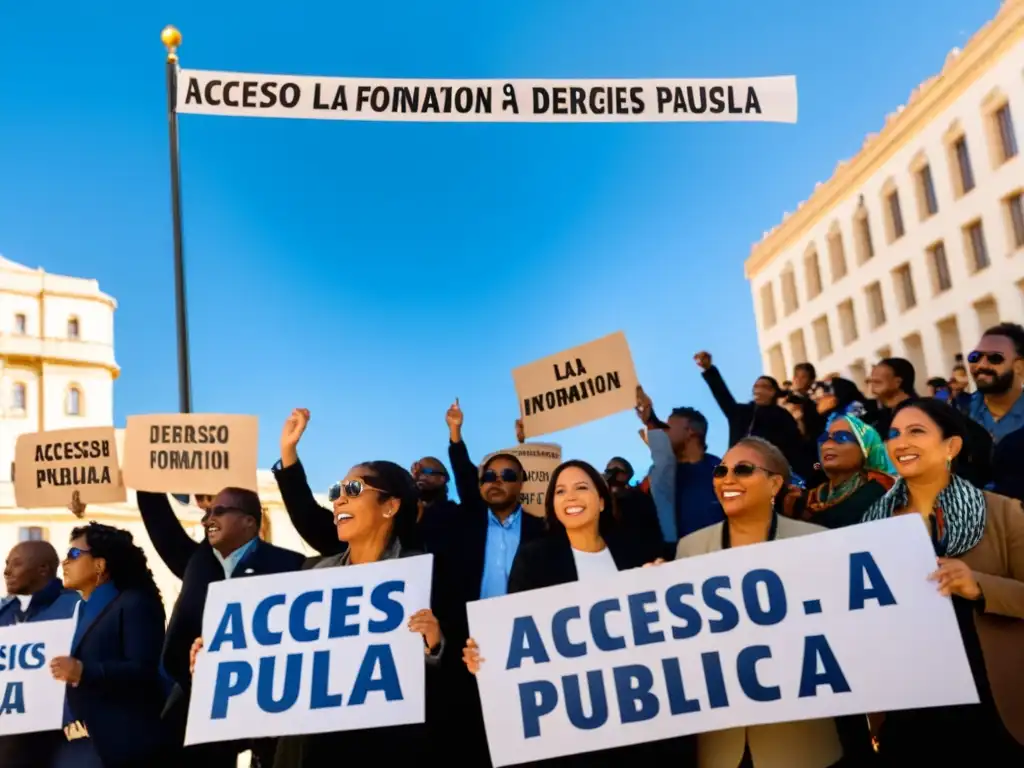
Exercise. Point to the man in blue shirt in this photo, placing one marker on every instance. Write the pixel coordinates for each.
(997, 366)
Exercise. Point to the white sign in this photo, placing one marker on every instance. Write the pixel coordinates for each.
(836, 623)
(327, 649)
(30, 699)
(241, 94)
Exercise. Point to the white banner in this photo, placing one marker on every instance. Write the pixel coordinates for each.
(327, 649)
(836, 623)
(240, 94)
(30, 699)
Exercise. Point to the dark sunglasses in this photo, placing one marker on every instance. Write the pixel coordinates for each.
(996, 358)
(76, 552)
(741, 469)
(506, 476)
(840, 437)
(614, 472)
(430, 472)
(349, 490)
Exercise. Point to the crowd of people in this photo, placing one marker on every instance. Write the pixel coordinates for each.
(810, 454)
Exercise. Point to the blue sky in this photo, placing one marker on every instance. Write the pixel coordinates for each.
(373, 272)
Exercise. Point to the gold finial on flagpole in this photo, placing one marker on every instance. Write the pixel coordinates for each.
(171, 38)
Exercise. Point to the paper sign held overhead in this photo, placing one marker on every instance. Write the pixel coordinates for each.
(581, 384)
(190, 452)
(539, 460)
(51, 466)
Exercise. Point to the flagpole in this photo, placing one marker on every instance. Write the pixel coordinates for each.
(171, 39)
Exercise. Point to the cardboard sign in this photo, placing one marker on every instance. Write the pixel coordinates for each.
(190, 452)
(582, 384)
(539, 460)
(53, 465)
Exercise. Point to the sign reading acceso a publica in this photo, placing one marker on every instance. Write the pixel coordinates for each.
(190, 452)
(796, 629)
(753, 99)
(327, 649)
(51, 466)
(30, 699)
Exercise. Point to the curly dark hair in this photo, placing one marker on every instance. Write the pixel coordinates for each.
(126, 561)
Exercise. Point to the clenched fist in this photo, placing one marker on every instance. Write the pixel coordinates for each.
(703, 359)
(291, 433)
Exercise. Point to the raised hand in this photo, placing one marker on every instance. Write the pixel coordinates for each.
(703, 359)
(454, 420)
(520, 431)
(76, 507)
(291, 433)
(644, 405)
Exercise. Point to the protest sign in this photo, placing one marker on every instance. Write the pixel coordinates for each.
(326, 649)
(190, 452)
(581, 384)
(835, 623)
(539, 460)
(243, 94)
(51, 466)
(30, 699)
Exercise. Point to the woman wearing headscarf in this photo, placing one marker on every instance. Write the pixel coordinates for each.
(752, 473)
(979, 540)
(114, 687)
(858, 473)
(375, 510)
(583, 542)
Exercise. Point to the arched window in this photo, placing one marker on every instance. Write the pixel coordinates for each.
(73, 401)
(19, 397)
(73, 329)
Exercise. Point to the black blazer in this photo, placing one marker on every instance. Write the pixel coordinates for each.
(120, 695)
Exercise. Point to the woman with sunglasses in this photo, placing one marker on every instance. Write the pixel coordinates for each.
(115, 691)
(752, 473)
(583, 541)
(858, 473)
(979, 540)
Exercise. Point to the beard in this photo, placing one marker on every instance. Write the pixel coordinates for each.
(431, 495)
(999, 385)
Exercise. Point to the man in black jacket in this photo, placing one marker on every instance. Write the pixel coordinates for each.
(231, 549)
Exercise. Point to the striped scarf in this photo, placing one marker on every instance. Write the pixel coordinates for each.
(959, 514)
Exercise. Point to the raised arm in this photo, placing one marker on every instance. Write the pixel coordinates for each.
(314, 523)
(716, 384)
(467, 478)
(170, 540)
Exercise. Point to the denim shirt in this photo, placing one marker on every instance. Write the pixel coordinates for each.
(499, 552)
(1011, 421)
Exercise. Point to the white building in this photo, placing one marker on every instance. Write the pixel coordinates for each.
(57, 371)
(916, 244)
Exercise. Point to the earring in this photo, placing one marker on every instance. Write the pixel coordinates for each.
(949, 463)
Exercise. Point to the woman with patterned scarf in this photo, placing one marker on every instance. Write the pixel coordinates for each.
(979, 540)
(859, 473)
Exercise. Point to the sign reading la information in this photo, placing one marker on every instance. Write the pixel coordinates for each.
(754, 99)
(30, 699)
(797, 629)
(325, 649)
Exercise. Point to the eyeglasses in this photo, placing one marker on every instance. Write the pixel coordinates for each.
(740, 469)
(840, 437)
(614, 472)
(349, 490)
(996, 358)
(506, 476)
(430, 472)
(76, 552)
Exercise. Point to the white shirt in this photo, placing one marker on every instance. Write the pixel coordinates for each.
(593, 565)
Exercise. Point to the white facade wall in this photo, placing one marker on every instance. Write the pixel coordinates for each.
(942, 323)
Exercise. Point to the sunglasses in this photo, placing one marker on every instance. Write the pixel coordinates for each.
(349, 490)
(506, 476)
(996, 358)
(840, 437)
(76, 552)
(741, 469)
(614, 472)
(430, 472)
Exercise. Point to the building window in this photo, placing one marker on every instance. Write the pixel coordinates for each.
(1004, 129)
(32, 533)
(822, 337)
(19, 397)
(926, 189)
(939, 264)
(73, 401)
(903, 282)
(965, 174)
(836, 255)
(20, 324)
(812, 273)
(73, 330)
(876, 306)
(974, 244)
(768, 317)
(862, 236)
(847, 322)
(1015, 213)
(790, 302)
(892, 202)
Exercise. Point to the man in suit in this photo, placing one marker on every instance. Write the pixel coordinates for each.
(30, 576)
(231, 549)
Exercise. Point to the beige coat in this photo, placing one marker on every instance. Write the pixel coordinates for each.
(801, 744)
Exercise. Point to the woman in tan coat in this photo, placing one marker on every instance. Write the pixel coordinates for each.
(979, 540)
